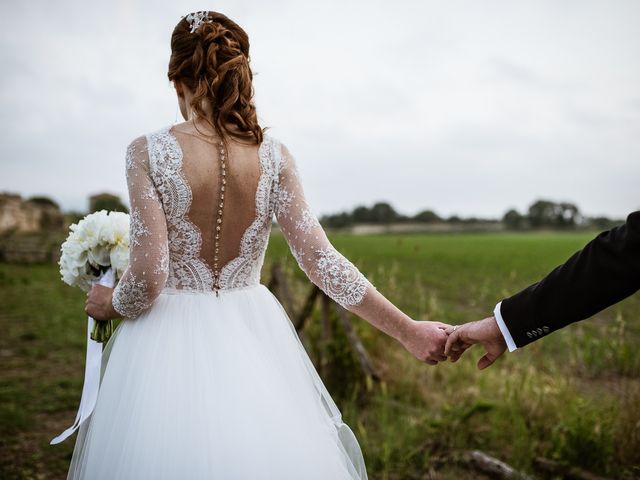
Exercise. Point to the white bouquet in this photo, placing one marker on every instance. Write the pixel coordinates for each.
(97, 248)
(96, 251)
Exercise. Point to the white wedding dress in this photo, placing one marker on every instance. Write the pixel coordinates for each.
(200, 385)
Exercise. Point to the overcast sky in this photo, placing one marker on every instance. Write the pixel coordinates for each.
(466, 107)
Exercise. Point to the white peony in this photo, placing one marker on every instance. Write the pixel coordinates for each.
(98, 241)
(119, 259)
(118, 233)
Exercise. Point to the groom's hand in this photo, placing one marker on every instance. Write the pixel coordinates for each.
(426, 340)
(485, 332)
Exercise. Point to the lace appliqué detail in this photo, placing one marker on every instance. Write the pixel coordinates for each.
(130, 156)
(341, 280)
(308, 221)
(287, 163)
(283, 202)
(186, 269)
(299, 256)
(163, 263)
(149, 193)
(137, 228)
(133, 291)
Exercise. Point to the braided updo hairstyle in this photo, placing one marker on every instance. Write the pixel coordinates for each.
(213, 62)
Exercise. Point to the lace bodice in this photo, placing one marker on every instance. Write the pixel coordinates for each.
(166, 245)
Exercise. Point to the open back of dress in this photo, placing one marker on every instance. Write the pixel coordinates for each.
(201, 170)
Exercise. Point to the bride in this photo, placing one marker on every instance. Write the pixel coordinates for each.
(205, 377)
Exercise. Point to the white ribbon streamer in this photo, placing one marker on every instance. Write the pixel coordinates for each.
(93, 364)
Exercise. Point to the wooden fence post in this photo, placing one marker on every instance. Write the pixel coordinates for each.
(325, 317)
(307, 308)
(356, 345)
(279, 285)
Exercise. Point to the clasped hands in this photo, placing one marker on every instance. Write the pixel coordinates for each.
(434, 342)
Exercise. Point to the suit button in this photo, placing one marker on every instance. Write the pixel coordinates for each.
(529, 334)
(540, 331)
(546, 329)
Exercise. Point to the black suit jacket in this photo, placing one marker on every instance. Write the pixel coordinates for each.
(604, 272)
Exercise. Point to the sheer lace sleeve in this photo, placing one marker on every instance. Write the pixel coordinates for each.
(148, 269)
(321, 262)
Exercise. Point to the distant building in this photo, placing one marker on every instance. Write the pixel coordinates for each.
(18, 215)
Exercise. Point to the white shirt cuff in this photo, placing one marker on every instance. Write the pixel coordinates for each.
(511, 345)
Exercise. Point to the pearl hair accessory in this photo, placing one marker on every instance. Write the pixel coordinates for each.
(196, 19)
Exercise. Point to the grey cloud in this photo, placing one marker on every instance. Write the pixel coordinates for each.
(517, 73)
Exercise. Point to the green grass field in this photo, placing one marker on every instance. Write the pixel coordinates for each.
(573, 397)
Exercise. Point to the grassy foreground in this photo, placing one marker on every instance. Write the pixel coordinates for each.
(572, 397)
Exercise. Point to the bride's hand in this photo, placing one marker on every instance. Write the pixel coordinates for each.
(98, 303)
(426, 340)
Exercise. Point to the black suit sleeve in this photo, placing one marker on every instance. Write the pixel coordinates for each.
(604, 272)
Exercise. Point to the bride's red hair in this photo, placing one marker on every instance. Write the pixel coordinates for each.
(213, 62)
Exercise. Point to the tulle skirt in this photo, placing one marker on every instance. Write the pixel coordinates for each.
(206, 387)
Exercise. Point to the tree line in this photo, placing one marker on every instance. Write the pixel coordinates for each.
(542, 214)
